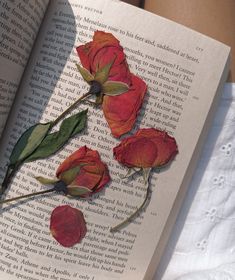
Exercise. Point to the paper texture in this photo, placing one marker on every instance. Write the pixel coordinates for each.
(19, 25)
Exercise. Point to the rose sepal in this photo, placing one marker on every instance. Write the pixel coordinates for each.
(102, 74)
(46, 181)
(74, 190)
(87, 76)
(69, 175)
(130, 172)
(111, 88)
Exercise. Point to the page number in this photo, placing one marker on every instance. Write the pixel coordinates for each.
(199, 49)
(132, 268)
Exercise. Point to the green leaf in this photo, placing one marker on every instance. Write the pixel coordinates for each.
(102, 74)
(114, 88)
(77, 190)
(28, 142)
(87, 76)
(46, 181)
(54, 141)
(80, 119)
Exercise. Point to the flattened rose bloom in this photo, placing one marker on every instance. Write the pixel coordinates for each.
(148, 148)
(102, 50)
(83, 168)
(121, 111)
(121, 93)
(67, 225)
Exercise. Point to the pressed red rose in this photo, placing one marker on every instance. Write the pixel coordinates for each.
(106, 71)
(148, 148)
(67, 225)
(121, 111)
(83, 168)
(102, 50)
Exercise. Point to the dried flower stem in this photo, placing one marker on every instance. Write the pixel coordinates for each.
(125, 222)
(26, 196)
(70, 108)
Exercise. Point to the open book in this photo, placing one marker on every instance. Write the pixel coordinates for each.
(184, 71)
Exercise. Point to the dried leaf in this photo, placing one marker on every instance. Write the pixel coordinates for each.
(54, 141)
(28, 142)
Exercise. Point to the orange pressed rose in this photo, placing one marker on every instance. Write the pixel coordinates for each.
(83, 169)
(67, 225)
(106, 71)
(148, 148)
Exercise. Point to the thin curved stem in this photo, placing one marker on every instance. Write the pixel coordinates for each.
(70, 108)
(117, 227)
(26, 196)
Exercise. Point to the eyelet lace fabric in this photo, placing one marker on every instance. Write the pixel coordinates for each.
(202, 244)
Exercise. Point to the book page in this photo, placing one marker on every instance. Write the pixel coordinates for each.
(19, 25)
(183, 70)
(213, 19)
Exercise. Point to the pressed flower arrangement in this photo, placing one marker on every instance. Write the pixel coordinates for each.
(120, 95)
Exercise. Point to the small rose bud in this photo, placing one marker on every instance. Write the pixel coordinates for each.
(83, 172)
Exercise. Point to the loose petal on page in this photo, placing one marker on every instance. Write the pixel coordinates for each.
(67, 225)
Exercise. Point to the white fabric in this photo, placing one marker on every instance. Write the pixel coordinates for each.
(202, 244)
